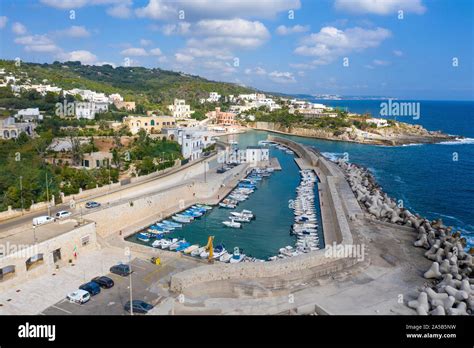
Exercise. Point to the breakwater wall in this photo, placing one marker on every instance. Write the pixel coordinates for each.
(319, 263)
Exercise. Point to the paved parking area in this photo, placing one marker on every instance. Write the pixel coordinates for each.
(111, 301)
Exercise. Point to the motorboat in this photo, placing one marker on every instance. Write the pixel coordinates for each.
(241, 214)
(172, 224)
(205, 206)
(225, 257)
(232, 224)
(186, 216)
(183, 246)
(181, 219)
(198, 251)
(237, 256)
(143, 238)
(190, 249)
(227, 205)
(157, 243)
(241, 219)
(176, 244)
(165, 244)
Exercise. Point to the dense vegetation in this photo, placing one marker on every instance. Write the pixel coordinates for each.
(150, 87)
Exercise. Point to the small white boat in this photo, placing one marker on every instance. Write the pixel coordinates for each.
(157, 243)
(181, 219)
(225, 257)
(232, 224)
(190, 249)
(241, 219)
(165, 244)
(176, 244)
(227, 205)
(198, 251)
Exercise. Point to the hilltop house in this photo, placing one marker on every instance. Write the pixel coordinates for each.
(180, 109)
(222, 118)
(10, 129)
(151, 124)
(30, 114)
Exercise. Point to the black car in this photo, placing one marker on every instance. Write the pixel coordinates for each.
(122, 269)
(138, 306)
(103, 282)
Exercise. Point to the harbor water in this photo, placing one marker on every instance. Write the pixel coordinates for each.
(270, 231)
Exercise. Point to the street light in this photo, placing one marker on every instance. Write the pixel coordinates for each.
(21, 194)
(130, 269)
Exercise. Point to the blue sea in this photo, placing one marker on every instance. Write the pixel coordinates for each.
(428, 178)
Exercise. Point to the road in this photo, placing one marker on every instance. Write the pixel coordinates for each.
(26, 219)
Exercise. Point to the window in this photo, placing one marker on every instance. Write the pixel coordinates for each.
(85, 240)
(7, 272)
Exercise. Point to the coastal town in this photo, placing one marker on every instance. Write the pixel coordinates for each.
(212, 169)
(120, 177)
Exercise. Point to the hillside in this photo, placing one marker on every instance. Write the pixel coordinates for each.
(140, 84)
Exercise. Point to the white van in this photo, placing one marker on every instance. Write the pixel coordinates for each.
(40, 220)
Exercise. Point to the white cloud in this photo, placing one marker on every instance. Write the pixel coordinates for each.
(257, 71)
(284, 30)
(181, 28)
(378, 7)
(19, 29)
(120, 11)
(37, 43)
(236, 33)
(398, 53)
(74, 31)
(85, 57)
(3, 21)
(183, 58)
(155, 52)
(145, 42)
(380, 62)
(134, 52)
(282, 77)
(219, 66)
(195, 10)
(330, 42)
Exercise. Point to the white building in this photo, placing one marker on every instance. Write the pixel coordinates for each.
(30, 114)
(213, 97)
(10, 129)
(192, 140)
(115, 98)
(379, 122)
(180, 109)
(254, 154)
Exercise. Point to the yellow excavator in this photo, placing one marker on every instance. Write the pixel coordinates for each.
(210, 247)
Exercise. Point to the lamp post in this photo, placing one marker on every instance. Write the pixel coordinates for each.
(130, 269)
(21, 194)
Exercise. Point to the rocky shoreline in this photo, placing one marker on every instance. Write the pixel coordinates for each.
(387, 137)
(449, 289)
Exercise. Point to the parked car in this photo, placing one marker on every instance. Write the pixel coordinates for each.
(91, 287)
(139, 306)
(40, 220)
(122, 269)
(62, 214)
(79, 296)
(103, 282)
(90, 205)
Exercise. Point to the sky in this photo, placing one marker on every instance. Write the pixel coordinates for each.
(409, 49)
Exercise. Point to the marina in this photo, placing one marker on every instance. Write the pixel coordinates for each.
(251, 218)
